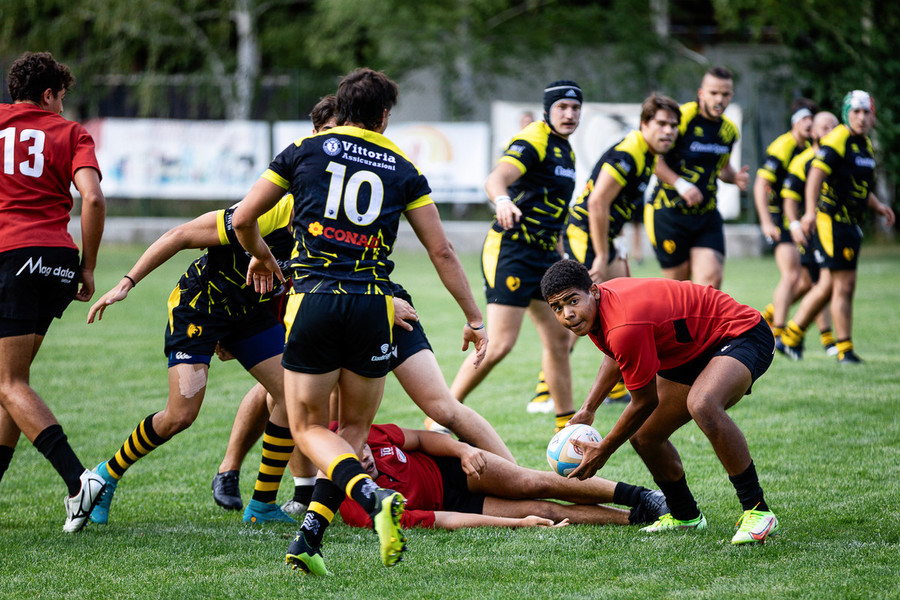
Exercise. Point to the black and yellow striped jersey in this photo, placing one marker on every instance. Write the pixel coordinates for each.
(701, 151)
(350, 187)
(774, 169)
(544, 190)
(849, 164)
(217, 280)
(794, 185)
(630, 162)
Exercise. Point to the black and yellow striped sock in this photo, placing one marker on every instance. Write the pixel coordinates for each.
(277, 448)
(793, 334)
(347, 473)
(326, 500)
(618, 391)
(562, 419)
(826, 336)
(541, 390)
(138, 445)
(768, 313)
(844, 346)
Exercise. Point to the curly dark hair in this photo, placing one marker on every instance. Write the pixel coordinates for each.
(323, 111)
(564, 275)
(362, 97)
(33, 73)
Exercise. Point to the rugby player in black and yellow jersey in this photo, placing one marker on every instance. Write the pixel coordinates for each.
(769, 207)
(531, 187)
(350, 185)
(211, 304)
(792, 191)
(681, 217)
(838, 192)
(614, 192)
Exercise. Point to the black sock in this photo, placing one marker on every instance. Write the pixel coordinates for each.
(54, 445)
(303, 494)
(679, 498)
(326, 500)
(347, 473)
(748, 490)
(6, 453)
(627, 494)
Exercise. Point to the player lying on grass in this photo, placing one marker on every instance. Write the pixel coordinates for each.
(415, 366)
(686, 352)
(448, 484)
(211, 304)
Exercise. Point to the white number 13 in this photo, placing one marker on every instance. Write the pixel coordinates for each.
(350, 194)
(35, 150)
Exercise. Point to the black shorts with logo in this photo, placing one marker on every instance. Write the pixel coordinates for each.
(191, 335)
(754, 348)
(329, 331)
(837, 242)
(457, 497)
(407, 343)
(36, 286)
(513, 270)
(674, 233)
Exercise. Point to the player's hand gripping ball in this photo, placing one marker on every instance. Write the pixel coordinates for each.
(562, 454)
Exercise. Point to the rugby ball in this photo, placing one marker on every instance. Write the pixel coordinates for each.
(562, 454)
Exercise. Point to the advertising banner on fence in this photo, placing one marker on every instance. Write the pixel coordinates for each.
(163, 158)
(602, 125)
(453, 156)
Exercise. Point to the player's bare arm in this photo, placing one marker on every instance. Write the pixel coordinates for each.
(426, 222)
(497, 185)
(599, 202)
(761, 190)
(814, 180)
(643, 403)
(261, 198)
(881, 208)
(688, 191)
(472, 459)
(607, 377)
(93, 215)
(198, 233)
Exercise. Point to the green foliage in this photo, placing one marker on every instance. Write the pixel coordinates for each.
(825, 441)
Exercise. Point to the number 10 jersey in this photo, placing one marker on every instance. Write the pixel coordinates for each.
(350, 186)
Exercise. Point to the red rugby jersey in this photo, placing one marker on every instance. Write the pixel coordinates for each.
(648, 325)
(40, 152)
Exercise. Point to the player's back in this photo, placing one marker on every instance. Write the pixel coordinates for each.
(350, 187)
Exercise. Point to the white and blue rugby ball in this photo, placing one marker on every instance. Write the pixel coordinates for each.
(562, 454)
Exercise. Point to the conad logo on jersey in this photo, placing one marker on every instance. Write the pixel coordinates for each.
(340, 235)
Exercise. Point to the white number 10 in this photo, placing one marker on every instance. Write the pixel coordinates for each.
(350, 195)
(35, 150)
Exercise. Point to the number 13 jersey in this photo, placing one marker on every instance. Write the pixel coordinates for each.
(350, 186)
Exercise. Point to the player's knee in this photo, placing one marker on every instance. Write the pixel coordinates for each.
(174, 423)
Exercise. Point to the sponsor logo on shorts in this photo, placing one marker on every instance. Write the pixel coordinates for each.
(194, 330)
(725, 347)
(183, 356)
(37, 266)
(849, 254)
(513, 283)
(669, 246)
(385, 353)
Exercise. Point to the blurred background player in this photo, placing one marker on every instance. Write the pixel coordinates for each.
(687, 352)
(792, 194)
(530, 187)
(770, 210)
(613, 193)
(40, 272)
(450, 485)
(210, 305)
(838, 192)
(681, 217)
(350, 187)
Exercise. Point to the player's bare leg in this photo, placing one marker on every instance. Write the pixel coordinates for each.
(707, 266)
(575, 513)
(422, 379)
(503, 326)
(556, 343)
(680, 272)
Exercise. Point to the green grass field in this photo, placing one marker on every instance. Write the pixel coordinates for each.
(825, 439)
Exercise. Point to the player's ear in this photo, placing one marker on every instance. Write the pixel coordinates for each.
(595, 291)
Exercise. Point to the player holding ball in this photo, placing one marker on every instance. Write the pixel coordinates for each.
(686, 352)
